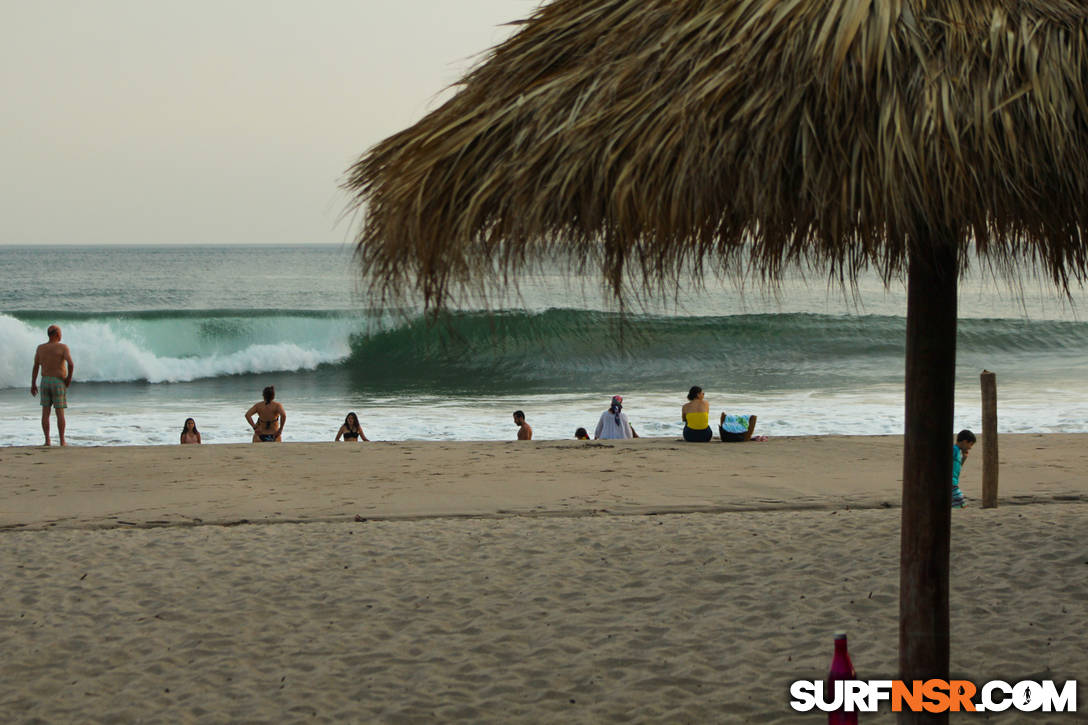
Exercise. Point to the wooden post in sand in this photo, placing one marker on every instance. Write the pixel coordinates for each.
(989, 439)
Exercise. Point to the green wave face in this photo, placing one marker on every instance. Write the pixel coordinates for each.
(569, 350)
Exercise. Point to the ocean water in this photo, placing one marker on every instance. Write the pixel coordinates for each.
(159, 334)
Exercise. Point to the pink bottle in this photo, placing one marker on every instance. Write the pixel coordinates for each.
(841, 669)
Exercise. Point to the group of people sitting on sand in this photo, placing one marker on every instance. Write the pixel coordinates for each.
(268, 417)
(613, 423)
(731, 428)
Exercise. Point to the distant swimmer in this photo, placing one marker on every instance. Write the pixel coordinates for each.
(351, 430)
(525, 431)
(271, 418)
(189, 433)
(613, 423)
(55, 361)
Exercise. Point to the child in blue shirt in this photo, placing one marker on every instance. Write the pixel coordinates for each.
(965, 440)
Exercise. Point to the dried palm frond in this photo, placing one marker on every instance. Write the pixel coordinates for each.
(645, 137)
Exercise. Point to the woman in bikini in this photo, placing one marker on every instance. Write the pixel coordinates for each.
(189, 433)
(271, 418)
(351, 430)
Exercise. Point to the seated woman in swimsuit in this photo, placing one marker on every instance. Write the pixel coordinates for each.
(271, 418)
(189, 433)
(696, 417)
(351, 430)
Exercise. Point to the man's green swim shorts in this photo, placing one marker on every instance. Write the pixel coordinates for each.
(53, 392)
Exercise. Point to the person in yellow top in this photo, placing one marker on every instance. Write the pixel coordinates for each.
(696, 416)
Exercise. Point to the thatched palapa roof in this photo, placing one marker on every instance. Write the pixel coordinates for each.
(646, 135)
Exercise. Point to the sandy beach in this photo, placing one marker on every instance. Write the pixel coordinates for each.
(642, 581)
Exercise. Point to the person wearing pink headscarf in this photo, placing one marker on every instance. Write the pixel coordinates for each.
(613, 424)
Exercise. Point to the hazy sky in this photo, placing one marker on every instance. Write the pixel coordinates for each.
(213, 121)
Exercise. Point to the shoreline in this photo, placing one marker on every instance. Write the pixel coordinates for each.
(230, 484)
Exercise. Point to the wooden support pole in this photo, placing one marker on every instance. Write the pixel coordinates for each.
(989, 439)
(925, 533)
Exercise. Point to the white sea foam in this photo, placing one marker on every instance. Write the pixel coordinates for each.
(121, 350)
(17, 344)
(154, 414)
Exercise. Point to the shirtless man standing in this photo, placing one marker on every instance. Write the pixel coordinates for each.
(55, 361)
(525, 431)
